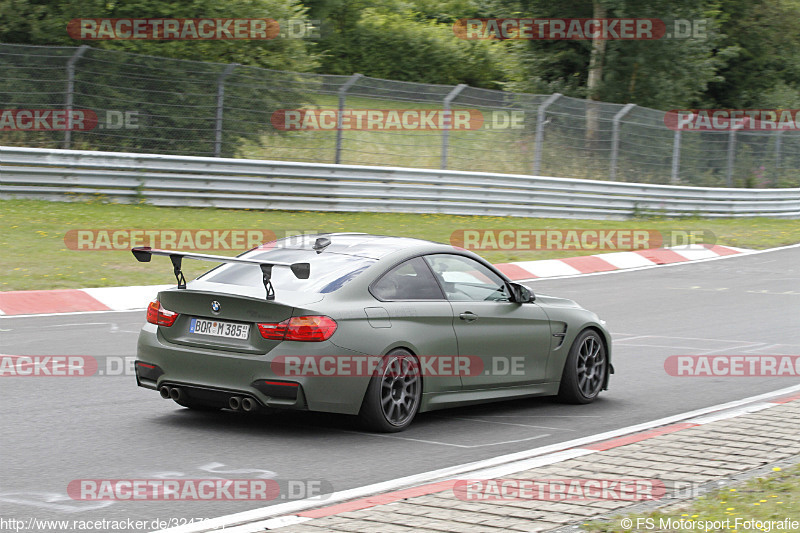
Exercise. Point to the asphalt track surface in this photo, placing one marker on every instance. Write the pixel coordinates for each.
(56, 430)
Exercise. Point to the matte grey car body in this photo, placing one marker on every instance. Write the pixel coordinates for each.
(398, 302)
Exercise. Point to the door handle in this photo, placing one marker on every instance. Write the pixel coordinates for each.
(468, 316)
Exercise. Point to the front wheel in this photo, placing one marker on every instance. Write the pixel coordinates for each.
(394, 392)
(585, 369)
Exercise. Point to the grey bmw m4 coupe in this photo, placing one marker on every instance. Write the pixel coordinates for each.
(376, 326)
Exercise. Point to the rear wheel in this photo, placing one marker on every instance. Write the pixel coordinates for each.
(585, 369)
(394, 393)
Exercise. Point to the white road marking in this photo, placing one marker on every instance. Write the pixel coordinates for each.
(548, 268)
(79, 324)
(272, 523)
(626, 260)
(731, 413)
(493, 467)
(71, 313)
(693, 254)
(744, 253)
(47, 500)
(542, 416)
(123, 298)
(476, 419)
(440, 443)
(739, 347)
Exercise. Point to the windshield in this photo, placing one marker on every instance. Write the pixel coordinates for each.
(329, 271)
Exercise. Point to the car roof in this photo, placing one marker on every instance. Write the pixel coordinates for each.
(357, 244)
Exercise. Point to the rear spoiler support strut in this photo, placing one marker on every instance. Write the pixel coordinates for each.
(176, 268)
(266, 272)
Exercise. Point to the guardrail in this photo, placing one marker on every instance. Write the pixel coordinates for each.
(167, 180)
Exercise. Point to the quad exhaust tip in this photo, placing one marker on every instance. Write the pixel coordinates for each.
(170, 393)
(234, 402)
(245, 404)
(248, 405)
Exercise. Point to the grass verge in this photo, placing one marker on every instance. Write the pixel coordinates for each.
(35, 255)
(760, 504)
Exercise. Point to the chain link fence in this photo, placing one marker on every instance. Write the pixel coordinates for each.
(147, 104)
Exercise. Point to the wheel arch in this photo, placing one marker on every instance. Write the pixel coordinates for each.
(367, 411)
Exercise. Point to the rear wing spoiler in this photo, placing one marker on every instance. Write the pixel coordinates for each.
(144, 254)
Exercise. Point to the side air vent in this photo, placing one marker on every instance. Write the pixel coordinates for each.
(560, 329)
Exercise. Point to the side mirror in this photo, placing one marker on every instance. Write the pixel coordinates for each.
(521, 294)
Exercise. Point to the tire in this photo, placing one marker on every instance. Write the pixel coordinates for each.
(585, 370)
(394, 393)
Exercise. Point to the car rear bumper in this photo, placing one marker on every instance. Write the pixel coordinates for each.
(216, 374)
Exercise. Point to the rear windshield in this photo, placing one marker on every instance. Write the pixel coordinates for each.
(329, 271)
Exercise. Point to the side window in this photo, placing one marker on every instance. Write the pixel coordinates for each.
(466, 279)
(411, 280)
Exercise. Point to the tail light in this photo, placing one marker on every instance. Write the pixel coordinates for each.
(156, 314)
(299, 328)
(273, 331)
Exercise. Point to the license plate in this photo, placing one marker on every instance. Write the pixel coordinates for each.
(216, 328)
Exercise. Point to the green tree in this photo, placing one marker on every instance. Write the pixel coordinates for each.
(763, 39)
(663, 73)
(44, 22)
(171, 86)
(409, 41)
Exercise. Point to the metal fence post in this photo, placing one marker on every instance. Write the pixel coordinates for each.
(615, 139)
(449, 120)
(731, 156)
(676, 157)
(71, 92)
(778, 143)
(537, 157)
(342, 91)
(220, 104)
